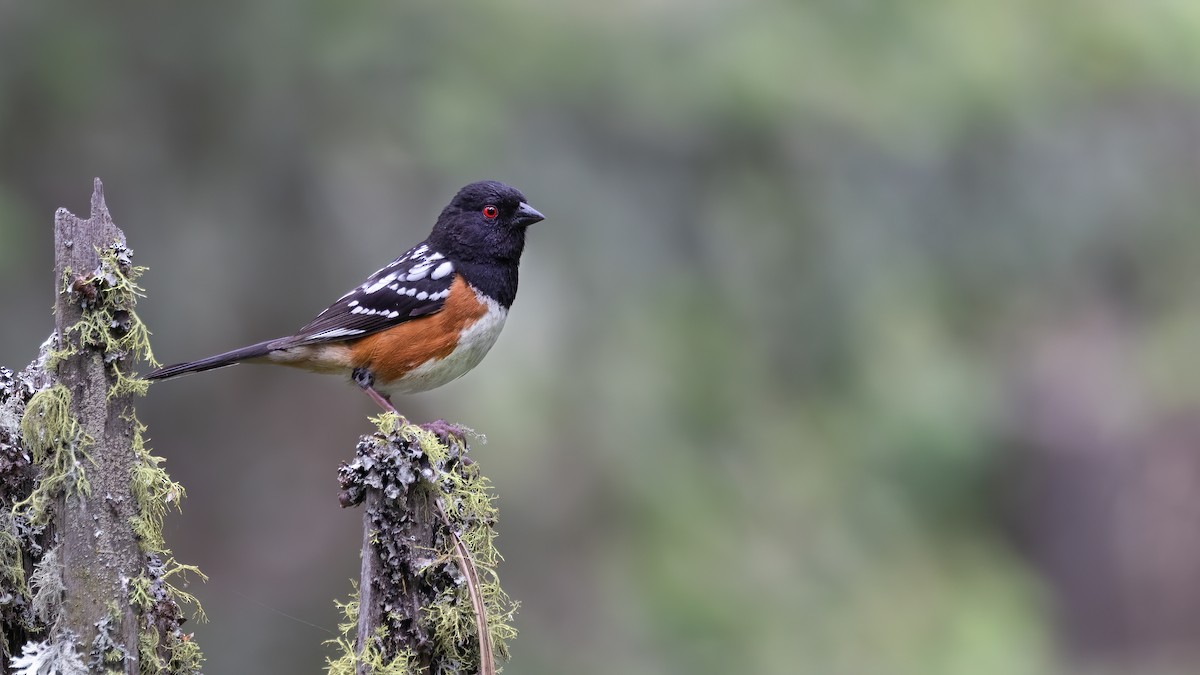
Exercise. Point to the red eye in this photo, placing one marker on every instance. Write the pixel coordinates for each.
(490, 212)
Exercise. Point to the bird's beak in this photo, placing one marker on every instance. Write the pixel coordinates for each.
(527, 215)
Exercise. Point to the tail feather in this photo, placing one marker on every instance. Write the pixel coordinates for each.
(212, 362)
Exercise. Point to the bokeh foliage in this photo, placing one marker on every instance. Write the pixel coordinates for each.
(822, 286)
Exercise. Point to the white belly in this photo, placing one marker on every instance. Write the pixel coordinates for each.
(473, 344)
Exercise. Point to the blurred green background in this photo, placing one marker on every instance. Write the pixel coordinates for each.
(860, 337)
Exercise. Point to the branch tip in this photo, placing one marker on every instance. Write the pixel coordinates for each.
(99, 207)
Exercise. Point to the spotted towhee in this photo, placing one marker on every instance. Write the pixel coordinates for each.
(423, 320)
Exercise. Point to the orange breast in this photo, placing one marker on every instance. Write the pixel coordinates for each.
(391, 353)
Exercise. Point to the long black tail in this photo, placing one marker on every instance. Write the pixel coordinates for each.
(218, 361)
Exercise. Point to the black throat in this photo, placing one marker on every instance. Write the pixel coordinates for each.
(497, 280)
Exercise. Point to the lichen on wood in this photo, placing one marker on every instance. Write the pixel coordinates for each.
(428, 552)
(81, 497)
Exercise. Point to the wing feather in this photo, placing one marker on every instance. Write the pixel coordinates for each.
(415, 284)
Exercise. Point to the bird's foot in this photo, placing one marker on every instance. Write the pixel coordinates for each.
(364, 378)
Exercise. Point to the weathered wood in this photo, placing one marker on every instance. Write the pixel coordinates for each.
(370, 611)
(392, 581)
(98, 547)
(420, 597)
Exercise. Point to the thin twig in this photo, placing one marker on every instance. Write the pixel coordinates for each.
(487, 662)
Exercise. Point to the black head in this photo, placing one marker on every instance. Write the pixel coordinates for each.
(484, 223)
(482, 232)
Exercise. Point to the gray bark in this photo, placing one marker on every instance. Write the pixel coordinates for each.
(388, 583)
(414, 565)
(98, 547)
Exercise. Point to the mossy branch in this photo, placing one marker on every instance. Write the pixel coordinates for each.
(83, 585)
(428, 599)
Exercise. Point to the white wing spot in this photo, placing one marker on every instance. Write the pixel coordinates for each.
(335, 332)
(442, 270)
(422, 295)
(410, 292)
(358, 310)
(379, 284)
(393, 314)
(353, 303)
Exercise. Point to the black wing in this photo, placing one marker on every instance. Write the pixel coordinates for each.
(415, 284)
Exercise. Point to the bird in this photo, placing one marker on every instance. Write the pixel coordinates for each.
(424, 319)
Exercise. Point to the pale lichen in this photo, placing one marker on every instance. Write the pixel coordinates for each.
(110, 327)
(107, 654)
(154, 492)
(21, 542)
(177, 653)
(157, 595)
(46, 584)
(13, 588)
(57, 444)
(49, 457)
(109, 324)
(55, 656)
(412, 465)
(349, 659)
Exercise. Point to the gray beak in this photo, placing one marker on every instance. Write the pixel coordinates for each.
(527, 215)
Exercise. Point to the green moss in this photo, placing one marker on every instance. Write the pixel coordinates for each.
(185, 655)
(178, 654)
(154, 492)
(110, 330)
(145, 591)
(150, 663)
(170, 650)
(109, 323)
(47, 420)
(162, 646)
(139, 592)
(420, 460)
(110, 326)
(57, 444)
(435, 450)
(180, 597)
(348, 660)
(345, 663)
(454, 628)
(12, 567)
(469, 506)
(56, 357)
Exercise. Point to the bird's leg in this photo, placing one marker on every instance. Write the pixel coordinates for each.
(364, 378)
